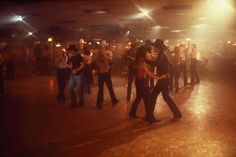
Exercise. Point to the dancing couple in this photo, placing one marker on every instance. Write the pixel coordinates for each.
(162, 85)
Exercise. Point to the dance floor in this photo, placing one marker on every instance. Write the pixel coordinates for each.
(33, 124)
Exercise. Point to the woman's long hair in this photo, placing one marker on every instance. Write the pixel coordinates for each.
(141, 53)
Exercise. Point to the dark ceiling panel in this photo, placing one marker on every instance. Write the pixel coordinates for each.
(66, 22)
(177, 7)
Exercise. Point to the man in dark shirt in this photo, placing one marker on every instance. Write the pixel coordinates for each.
(77, 66)
(131, 65)
(162, 85)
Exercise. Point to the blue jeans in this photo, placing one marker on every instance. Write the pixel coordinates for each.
(76, 80)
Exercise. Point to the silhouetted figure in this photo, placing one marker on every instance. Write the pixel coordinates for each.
(1, 72)
(9, 61)
(163, 84)
(183, 63)
(45, 68)
(37, 54)
(130, 62)
(193, 65)
(175, 69)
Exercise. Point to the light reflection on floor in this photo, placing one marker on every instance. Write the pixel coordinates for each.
(47, 128)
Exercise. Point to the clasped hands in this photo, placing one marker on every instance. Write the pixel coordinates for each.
(160, 77)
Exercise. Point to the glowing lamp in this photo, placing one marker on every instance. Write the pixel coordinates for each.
(50, 39)
(58, 45)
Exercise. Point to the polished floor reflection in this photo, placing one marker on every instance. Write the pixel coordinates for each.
(33, 124)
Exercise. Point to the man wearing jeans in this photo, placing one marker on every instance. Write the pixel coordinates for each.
(77, 66)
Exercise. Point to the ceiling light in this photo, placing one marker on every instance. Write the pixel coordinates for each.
(199, 26)
(145, 12)
(202, 18)
(101, 12)
(156, 27)
(96, 11)
(19, 18)
(30, 33)
(50, 39)
(58, 45)
(175, 31)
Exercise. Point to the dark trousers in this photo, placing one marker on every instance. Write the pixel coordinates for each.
(131, 75)
(162, 86)
(172, 74)
(9, 70)
(37, 65)
(45, 69)
(151, 79)
(174, 77)
(1, 80)
(142, 92)
(194, 72)
(62, 76)
(105, 78)
(183, 69)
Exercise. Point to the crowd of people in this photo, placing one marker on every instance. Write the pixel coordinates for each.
(79, 65)
(153, 66)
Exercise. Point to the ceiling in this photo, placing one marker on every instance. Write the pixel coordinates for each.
(107, 18)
